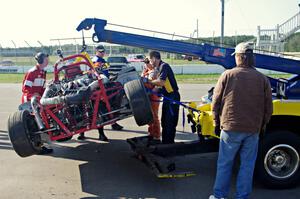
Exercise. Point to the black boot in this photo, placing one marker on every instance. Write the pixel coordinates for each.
(45, 150)
(102, 136)
(116, 126)
(81, 136)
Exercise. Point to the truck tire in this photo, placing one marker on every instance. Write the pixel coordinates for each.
(278, 162)
(139, 102)
(20, 125)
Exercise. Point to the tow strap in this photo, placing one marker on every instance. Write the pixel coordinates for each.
(183, 104)
(172, 101)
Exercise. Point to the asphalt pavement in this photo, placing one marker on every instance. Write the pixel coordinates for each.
(94, 169)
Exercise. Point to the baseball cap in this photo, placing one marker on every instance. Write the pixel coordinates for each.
(244, 47)
(100, 48)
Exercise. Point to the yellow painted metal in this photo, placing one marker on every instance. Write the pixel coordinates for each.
(207, 123)
(205, 119)
(176, 175)
(78, 59)
(286, 107)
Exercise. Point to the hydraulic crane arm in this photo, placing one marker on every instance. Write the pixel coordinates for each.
(206, 52)
(102, 35)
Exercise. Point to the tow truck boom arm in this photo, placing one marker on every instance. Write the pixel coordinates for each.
(206, 52)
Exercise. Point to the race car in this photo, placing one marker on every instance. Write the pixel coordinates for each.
(77, 101)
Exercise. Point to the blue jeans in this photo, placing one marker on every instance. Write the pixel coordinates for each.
(231, 143)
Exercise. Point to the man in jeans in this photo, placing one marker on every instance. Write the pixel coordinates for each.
(242, 106)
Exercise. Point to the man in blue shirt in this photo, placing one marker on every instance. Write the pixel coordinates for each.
(169, 89)
(100, 62)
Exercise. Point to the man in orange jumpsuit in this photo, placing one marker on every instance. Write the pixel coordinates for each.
(152, 73)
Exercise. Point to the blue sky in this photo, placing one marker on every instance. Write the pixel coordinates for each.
(33, 20)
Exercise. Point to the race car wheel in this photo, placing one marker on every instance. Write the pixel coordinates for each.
(139, 102)
(20, 127)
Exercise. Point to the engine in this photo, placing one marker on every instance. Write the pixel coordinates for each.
(74, 96)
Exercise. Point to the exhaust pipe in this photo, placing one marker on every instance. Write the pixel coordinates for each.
(37, 116)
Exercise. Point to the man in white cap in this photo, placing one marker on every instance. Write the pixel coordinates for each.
(242, 106)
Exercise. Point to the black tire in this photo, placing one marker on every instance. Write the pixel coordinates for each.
(20, 125)
(278, 164)
(139, 102)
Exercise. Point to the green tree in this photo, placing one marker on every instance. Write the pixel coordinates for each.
(293, 43)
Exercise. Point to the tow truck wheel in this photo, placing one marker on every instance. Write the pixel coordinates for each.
(139, 102)
(20, 126)
(278, 163)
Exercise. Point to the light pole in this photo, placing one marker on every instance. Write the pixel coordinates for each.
(193, 34)
(197, 29)
(192, 37)
(222, 21)
(1, 51)
(172, 55)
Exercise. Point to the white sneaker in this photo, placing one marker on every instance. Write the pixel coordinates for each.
(213, 197)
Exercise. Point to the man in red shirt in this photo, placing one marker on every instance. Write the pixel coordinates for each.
(34, 84)
(35, 79)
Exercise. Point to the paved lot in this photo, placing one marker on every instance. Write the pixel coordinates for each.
(92, 169)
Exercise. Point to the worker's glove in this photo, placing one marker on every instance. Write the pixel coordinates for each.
(105, 66)
(145, 79)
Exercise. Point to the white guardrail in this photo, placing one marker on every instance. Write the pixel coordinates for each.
(178, 69)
